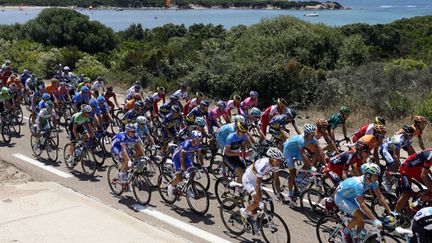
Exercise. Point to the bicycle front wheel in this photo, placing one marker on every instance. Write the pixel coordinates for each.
(197, 198)
(114, 180)
(88, 162)
(222, 189)
(35, 145)
(231, 217)
(51, 149)
(312, 204)
(142, 189)
(328, 229)
(163, 181)
(274, 229)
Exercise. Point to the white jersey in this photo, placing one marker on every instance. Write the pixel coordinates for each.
(424, 218)
(230, 105)
(258, 169)
(369, 129)
(180, 94)
(97, 85)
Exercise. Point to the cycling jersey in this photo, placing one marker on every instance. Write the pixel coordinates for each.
(171, 121)
(278, 122)
(43, 117)
(80, 98)
(130, 104)
(123, 139)
(336, 120)
(422, 226)
(51, 89)
(188, 148)
(395, 142)
(131, 92)
(191, 104)
(195, 112)
(411, 168)
(215, 113)
(130, 116)
(97, 85)
(348, 190)
(157, 97)
(292, 148)
(79, 119)
(370, 140)
(61, 92)
(109, 94)
(234, 141)
(222, 134)
(248, 103)
(142, 132)
(231, 105)
(181, 95)
(341, 162)
(256, 170)
(366, 129)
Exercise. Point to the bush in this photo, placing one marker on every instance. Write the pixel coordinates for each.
(425, 109)
(48, 63)
(397, 105)
(90, 67)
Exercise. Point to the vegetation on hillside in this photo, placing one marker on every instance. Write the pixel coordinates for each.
(384, 68)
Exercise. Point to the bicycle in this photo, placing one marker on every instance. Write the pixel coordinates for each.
(84, 154)
(44, 141)
(5, 131)
(192, 190)
(137, 178)
(268, 222)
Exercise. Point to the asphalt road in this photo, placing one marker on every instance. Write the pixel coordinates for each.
(175, 218)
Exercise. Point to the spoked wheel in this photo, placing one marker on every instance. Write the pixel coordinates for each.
(6, 133)
(142, 189)
(88, 162)
(222, 189)
(163, 181)
(30, 121)
(313, 205)
(197, 198)
(274, 229)
(16, 126)
(231, 217)
(20, 115)
(115, 125)
(54, 135)
(99, 153)
(378, 210)
(216, 165)
(152, 173)
(283, 179)
(35, 145)
(328, 229)
(114, 180)
(105, 141)
(66, 149)
(203, 178)
(51, 149)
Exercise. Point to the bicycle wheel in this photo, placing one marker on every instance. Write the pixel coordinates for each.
(16, 126)
(152, 173)
(20, 115)
(88, 162)
(35, 145)
(387, 238)
(378, 210)
(6, 133)
(203, 178)
(51, 149)
(197, 198)
(54, 135)
(222, 189)
(312, 204)
(216, 165)
(65, 153)
(30, 122)
(163, 181)
(99, 153)
(142, 189)
(231, 217)
(114, 180)
(274, 229)
(328, 229)
(105, 141)
(283, 179)
(266, 196)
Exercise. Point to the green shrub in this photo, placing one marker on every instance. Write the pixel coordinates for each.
(397, 105)
(425, 109)
(91, 67)
(48, 63)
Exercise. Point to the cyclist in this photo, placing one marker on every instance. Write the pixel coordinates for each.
(45, 98)
(213, 119)
(5, 101)
(367, 129)
(338, 166)
(42, 120)
(235, 142)
(170, 122)
(322, 131)
(34, 107)
(249, 102)
(158, 96)
(166, 108)
(131, 115)
(339, 119)
(6, 71)
(135, 89)
(142, 130)
(374, 140)
(62, 93)
(181, 94)
(110, 94)
(97, 85)
(192, 103)
(95, 114)
(130, 104)
(417, 166)
(225, 130)
(182, 161)
(252, 180)
(277, 126)
(272, 111)
(253, 119)
(200, 124)
(231, 105)
(422, 226)
(105, 116)
(80, 98)
(121, 143)
(199, 111)
(419, 125)
(79, 124)
(349, 198)
(24, 76)
(295, 148)
(52, 88)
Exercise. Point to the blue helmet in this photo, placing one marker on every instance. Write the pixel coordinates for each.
(93, 102)
(196, 134)
(42, 105)
(200, 121)
(36, 94)
(139, 103)
(222, 104)
(46, 96)
(85, 89)
(101, 99)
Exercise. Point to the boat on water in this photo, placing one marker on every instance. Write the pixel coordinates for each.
(119, 9)
(311, 14)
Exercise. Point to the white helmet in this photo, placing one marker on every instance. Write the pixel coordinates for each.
(141, 120)
(237, 118)
(309, 128)
(370, 168)
(275, 153)
(66, 68)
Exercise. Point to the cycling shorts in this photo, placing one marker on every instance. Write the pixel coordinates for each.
(249, 185)
(421, 235)
(348, 206)
(234, 162)
(177, 164)
(165, 135)
(291, 156)
(276, 133)
(387, 156)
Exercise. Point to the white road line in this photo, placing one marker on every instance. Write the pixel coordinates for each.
(42, 166)
(180, 224)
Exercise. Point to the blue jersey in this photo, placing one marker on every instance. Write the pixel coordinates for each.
(80, 98)
(234, 141)
(104, 108)
(122, 139)
(130, 116)
(294, 143)
(187, 147)
(94, 112)
(142, 131)
(194, 113)
(41, 104)
(278, 122)
(223, 132)
(171, 121)
(354, 187)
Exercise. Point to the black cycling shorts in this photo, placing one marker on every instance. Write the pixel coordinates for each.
(234, 162)
(421, 235)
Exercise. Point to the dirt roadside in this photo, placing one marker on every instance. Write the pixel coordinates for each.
(9, 174)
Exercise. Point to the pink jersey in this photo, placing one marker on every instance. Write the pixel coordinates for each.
(231, 105)
(61, 91)
(216, 113)
(248, 103)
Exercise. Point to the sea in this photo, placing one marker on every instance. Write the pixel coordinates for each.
(362, 11)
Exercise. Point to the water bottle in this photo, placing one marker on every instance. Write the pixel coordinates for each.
(77, 152)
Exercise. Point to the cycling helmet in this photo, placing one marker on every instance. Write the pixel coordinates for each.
(407, 129)
(420, 119)
(345, 110)
(175, 109)
(236, 98)
(137, 87)
(321, 122)
(173, 98)
(196, 134)
(361, 146)
(5, 90)
(49, 104)
(242, 126)
(101, 99)
(66, 68)
(130, 127)
(46, 96)
(138, 83)
(25, 71)
(8, 63)
(139, 103)
(291, 113)
(36, 94)
(275, 153)
(110, 88)
(309, 128)
(199, 94)
(160, 89)
(200, 121)
(149, 100)
(253, 94)
(85, 89)
(42, 105)
(256, 112)
(379, 129)
(221, 104)
(281, 102)
(100, 78)
(86, 108)
(237, 118)
(370, 168)
(93, 102)
(204, 104)
(141, 120)
(379, 120)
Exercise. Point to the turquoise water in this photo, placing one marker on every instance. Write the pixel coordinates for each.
(364, 11)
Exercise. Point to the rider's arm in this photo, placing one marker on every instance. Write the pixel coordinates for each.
(365, 208)
(229, 152)
(125, 154)
(330, 142)
(200, 157)
(115, 100)
(258, 188)
(376, 155)
(74, 130)
(305, 157)
(296, 128)
(425, 178)
(344, 130)
(421, 144)
(276, 181)
(381, 199)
